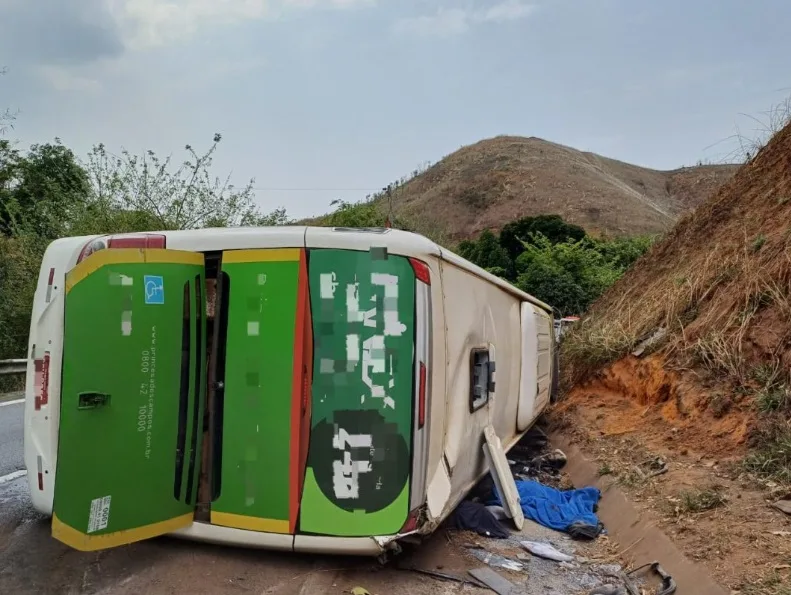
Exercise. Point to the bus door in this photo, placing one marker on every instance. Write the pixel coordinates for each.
(131, 403)
(260, 395)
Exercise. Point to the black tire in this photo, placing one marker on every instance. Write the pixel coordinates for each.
(554, 391)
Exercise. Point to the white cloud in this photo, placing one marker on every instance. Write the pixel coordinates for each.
(452, 21)
(510, 10)
(150, 23)
(64, 79)
(455, 21)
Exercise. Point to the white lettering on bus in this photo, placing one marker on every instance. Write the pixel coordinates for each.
(346, 472)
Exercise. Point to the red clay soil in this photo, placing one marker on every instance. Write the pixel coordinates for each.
(663, 406)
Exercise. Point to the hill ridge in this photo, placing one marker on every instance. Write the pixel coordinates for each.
(488, 183)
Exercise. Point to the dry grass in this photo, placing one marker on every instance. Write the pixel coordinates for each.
(492, 182)
(719, 286)
(774, 583)
(701, 499)
(772, 455)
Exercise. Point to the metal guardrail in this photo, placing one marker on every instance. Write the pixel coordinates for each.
(13, 366)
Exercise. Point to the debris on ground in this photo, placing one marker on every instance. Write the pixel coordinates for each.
(651, 468)
(474, 516)
(503, 477)
(667, 585)
(496, 560)
(443, 576)
(494, 581)
(567, 566)
(783, 505)
(547, 551)
(571, 511)
(608, 590)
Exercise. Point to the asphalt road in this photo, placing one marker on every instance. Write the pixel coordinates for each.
(32, 562)
(11, 456)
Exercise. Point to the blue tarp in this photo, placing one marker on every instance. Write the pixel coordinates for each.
(556, 509)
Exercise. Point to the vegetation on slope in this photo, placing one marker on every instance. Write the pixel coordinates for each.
(714, 297)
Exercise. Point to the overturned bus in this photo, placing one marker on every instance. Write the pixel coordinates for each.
(294, 388)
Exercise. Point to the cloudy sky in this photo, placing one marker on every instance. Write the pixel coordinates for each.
(325, 99)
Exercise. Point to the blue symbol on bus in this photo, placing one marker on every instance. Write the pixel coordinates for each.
(155, 289)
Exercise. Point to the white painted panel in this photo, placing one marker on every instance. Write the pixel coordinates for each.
(502, 476)
(46, 333)
(545, 331)
(528, 367)
(439, 490)
(421, 436)
(477, 314)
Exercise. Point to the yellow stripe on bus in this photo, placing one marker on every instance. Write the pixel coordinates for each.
(110, 256)
(239, 521)
(264, 255)
(90, 543)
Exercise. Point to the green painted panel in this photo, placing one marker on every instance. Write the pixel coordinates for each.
(258, 386)
(120, 397)
(357, 482)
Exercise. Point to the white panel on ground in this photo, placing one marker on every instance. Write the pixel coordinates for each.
(502, 476)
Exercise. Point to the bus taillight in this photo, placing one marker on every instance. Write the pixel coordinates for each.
(411, 522)
(421, 270)
(146, 240)
(142, 241)
(40, 473)
(421, 403)
(42, 380)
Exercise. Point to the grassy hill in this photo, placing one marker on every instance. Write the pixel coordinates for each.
(492, 182)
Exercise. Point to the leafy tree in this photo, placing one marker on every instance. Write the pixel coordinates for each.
(566, 268)
(491, 254)
(622, 252)
(46, 193)
(186, 197)
(7, 117)
(40, 190)
(20, 258)
(365, 213)
(568, 276)
(552, 227)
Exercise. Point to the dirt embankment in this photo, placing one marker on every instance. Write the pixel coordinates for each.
(710, 396)
(670, 407)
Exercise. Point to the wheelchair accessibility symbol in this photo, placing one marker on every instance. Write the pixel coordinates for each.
(155, 289)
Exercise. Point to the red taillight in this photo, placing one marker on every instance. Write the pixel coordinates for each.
(148, 240)
(421, 270)
(145, 240)
(42, 381)
(40, 474)
(91, 247)
(411, 522)
(50, 282)
(421, 403)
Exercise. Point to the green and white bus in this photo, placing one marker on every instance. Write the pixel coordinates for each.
(294, 388)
